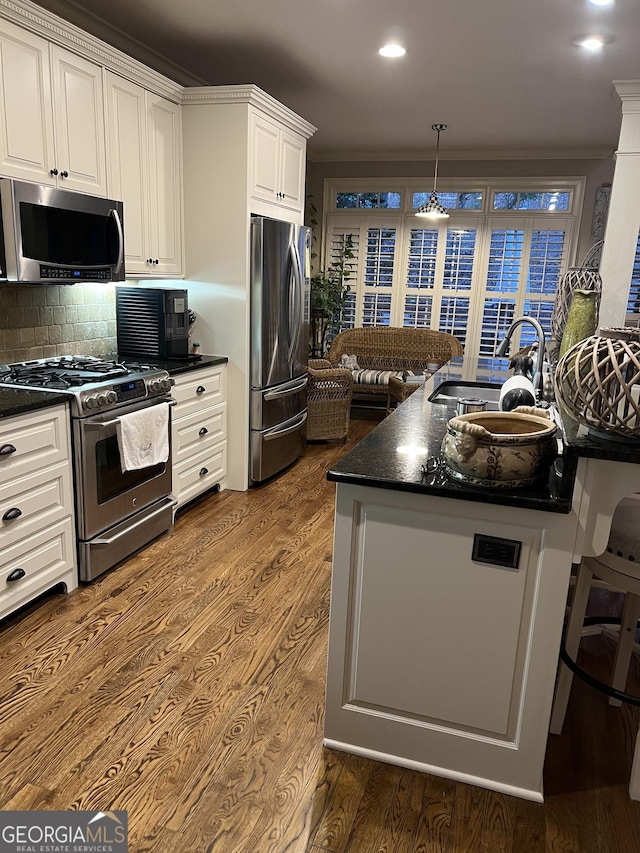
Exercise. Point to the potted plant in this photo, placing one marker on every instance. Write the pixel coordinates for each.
(329, 291)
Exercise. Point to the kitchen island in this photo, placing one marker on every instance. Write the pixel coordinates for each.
(447, 601)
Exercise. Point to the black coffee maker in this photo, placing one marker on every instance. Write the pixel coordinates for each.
(152, 322)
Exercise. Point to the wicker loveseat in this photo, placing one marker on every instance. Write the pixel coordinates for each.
(385, 351)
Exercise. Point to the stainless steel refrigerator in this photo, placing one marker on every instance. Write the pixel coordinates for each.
(279, 341)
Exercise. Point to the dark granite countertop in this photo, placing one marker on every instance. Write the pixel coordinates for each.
(179, 365)
(18, 401)
(392, 456)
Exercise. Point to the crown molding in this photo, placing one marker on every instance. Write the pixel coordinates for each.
(628, 89)
(252, 96)
(66, 35)
(492, 154)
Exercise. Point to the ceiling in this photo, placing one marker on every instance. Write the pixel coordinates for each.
(506, 76)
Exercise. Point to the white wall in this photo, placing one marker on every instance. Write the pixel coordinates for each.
(217, 255)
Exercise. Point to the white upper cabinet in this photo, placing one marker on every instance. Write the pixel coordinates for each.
(78, 102)
(165, 184)
(278, 162)
(145, 172)
(26, 108)
(51, 114)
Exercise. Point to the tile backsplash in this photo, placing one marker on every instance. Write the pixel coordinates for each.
(40, 321)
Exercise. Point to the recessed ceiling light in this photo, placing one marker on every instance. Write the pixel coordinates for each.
(392, 50)
(592, 43)
(601, 2)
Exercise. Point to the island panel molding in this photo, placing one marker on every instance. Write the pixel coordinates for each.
(394, 672)
(500, 748)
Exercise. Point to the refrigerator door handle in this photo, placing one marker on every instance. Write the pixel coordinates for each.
(284, 392)
(272, 434)
(295, 301)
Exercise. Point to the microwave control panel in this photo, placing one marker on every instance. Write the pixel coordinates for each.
(78, 274)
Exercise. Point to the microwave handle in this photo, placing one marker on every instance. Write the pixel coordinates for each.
(116, 218)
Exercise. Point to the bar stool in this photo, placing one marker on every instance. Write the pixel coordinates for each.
(619, 566)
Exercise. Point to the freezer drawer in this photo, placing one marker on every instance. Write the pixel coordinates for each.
(275, 448)
(273, 406)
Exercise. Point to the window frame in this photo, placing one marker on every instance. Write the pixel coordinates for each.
(486, 218)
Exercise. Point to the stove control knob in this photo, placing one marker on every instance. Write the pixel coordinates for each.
(90, 402)
(102, 399)
(112, 397)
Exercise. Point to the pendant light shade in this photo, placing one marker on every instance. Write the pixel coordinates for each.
(433, 209)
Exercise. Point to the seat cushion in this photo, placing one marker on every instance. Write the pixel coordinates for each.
(375, 377)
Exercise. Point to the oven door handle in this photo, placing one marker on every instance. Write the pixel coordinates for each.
(115, 422)
(173, 502)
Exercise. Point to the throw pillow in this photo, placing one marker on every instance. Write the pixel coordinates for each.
(349, 361)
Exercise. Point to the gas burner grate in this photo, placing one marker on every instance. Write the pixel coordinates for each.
(86, 364)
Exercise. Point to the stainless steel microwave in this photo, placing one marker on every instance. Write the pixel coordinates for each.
(52, 236)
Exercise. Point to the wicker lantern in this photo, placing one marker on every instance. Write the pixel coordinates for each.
(576, 278)
(584, 277)
(598, 382)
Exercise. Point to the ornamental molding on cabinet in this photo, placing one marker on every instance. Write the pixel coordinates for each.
(49, 26)
(253, 96)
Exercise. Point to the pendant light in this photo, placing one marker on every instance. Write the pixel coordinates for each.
(433, 209)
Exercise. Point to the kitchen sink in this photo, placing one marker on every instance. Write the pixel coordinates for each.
(453, 390)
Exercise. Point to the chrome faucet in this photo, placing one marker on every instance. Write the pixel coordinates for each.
(503, 349)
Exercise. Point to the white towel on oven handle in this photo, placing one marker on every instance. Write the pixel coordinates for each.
(143, 437)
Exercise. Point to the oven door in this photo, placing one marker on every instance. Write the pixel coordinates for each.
(105, 494)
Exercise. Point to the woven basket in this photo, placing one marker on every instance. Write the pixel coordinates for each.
(598, 382)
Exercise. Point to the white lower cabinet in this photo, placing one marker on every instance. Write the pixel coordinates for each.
(37, 529)
(199, 432)
(446, 618)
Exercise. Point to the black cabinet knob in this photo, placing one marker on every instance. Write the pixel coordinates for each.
(199, 390)
(64, 174)
(7, 449)
(156, 261)
(12, 513)
(204, 471)
(53, 172)
(15, 575)
(203, 431)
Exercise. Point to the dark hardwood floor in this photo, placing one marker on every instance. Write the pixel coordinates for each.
(186, 686)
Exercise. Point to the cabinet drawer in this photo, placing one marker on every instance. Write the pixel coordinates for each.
(40, 498)
(39, 440)
(198, 390)
(47, 558)
(200, 472)
(198, 431)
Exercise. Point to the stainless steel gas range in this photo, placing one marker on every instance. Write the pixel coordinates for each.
(117, 511)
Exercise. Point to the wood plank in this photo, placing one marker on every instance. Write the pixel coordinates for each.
(187, 687)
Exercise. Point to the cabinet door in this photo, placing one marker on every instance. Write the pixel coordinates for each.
(165, 185)
(292, 170)
(128, 165)
(26, 113)
(79, 123)
(265, 166)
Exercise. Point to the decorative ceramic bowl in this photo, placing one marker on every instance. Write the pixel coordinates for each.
(500, 449)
